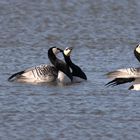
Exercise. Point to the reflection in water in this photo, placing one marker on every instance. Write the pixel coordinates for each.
(103, 34)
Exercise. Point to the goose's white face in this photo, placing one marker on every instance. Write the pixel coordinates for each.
(138, 48)
(68, 51)
(55, 50)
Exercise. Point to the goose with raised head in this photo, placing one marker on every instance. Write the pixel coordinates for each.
(122, 76)
(43, 73)
(77, 73)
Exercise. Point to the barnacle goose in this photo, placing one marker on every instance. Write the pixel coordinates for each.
(44, 73)
(77, 73)
(122, 76)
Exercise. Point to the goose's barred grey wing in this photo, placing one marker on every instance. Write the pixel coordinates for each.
(44, 70)
(124, 73)
(44, 73)
(122, 76)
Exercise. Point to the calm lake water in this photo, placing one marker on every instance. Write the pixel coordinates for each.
(104, 34)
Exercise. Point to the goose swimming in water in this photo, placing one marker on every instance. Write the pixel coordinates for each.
(77, 73)
(44, 73)
(122, 76)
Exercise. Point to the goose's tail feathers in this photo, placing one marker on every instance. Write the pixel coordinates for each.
(11, 78)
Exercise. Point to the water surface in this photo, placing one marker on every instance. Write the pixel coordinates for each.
(103, 34)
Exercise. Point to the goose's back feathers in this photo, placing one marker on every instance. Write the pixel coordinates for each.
(41, 73)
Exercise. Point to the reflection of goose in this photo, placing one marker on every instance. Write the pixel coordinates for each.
(77, 73)
(122, 76)
(43, 73)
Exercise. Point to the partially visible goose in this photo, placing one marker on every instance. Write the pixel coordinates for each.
(43, 73)
(77, 73)
(122, 76)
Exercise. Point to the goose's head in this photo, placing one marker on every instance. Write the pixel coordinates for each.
(67, 51)
(138, 48)
(56, 50)
(52, 54)
(137, 52)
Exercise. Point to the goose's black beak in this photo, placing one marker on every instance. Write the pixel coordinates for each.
(60, 49)
(70, 48)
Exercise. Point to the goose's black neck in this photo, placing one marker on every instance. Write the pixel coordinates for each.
(76, 70)
(52, 56)
(137, 55)
(68, 60)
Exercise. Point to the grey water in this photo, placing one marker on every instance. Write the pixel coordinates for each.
(104, 34)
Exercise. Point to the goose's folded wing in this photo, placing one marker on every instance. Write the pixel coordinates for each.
(40, 71)
(36, 72)
(125, 73)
